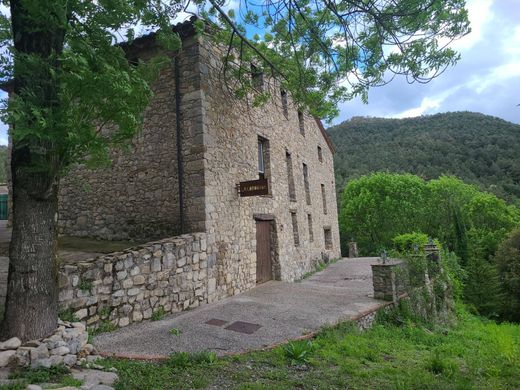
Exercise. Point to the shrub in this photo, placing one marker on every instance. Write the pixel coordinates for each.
(407, 242)
(298, 352)
(507, 260)
(158, 314)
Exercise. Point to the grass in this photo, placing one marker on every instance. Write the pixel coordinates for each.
(58, 376)
(158, 314)
(475, 354)
(320, 266)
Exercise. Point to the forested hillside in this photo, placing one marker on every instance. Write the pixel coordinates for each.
(477, 148)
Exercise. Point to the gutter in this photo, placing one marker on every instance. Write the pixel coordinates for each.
(178, 133)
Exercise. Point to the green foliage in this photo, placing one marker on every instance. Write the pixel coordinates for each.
(378, 207)
(381, 209)
(85, 285)
(480, 149)
(174, 332)
(298, 352)
(185, 359)
(68, 315)
(104, 326)
(409, 242)
(158, 314)
(507, 260)
(56, 375)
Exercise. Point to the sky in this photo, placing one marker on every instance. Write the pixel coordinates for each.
(486, 79)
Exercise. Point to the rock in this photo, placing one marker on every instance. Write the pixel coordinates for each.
(93, 358)
(12, 343)
(60, 351)
(33, 387)
(56, 360)
(79, 325)
(39, 353)
(5, 357)
(70, 360)
(32, 343)
(88, 348)
(45, 362)
(101, 387)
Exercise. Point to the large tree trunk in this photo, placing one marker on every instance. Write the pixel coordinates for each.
(32, 289)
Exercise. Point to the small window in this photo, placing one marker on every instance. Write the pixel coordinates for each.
(324, 198)
(261, 163)
(301, 121)
(290, 177)
(295, 228)
(327, 233)
(257, 77)
(284, 103)
(306, 184)
(311, 233)
(263, 158)
(320, 154)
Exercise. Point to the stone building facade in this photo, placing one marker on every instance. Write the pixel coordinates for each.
(182, 173)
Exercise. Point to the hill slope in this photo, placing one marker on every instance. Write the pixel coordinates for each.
(477, 148)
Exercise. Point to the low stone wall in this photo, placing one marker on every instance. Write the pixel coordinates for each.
(170, 275)
(68, 345)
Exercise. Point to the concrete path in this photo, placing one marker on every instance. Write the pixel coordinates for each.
(273, 312)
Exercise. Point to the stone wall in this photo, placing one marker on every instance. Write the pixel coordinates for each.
(170, 275)
(231, 130)
(137, 196)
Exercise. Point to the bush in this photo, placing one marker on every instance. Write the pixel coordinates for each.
(298, 352)
(409, 241)
(507, 260)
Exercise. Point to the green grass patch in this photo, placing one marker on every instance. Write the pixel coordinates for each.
(474, 354)
(158, 314)
(59, 376)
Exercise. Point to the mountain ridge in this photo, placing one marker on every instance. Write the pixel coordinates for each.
(475, 147)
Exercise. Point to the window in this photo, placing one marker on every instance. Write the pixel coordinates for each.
(324, 198)
(290, 177)
(327, 233)
(257, 78)
(306, 184)
(295, 228)
(301, 122)
(263, 158)
(320, 154)
(311, 234)
(284, 103)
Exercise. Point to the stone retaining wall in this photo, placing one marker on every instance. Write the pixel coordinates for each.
(170, 275)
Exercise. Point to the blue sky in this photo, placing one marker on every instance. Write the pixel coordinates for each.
(486, 79)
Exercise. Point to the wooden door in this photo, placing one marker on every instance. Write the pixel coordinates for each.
(263, 251)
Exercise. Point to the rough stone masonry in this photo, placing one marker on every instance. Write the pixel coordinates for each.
(151, 192)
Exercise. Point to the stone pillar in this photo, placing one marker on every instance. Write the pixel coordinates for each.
(432, 251)
(352, 249)
(388, 280)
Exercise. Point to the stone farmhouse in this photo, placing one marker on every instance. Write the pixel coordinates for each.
(236, 194)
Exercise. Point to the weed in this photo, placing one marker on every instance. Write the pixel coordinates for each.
(68, 315)
(85, 285)
(56, 374)
(104, 312)
(297, 352)
(158, 314)
(440, 365)
(104, 326)
(184, 359)
(175, 332)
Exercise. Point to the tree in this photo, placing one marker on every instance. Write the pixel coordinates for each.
(65, 66)
(507, 260)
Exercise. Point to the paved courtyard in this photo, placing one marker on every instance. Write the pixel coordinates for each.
(270, 314)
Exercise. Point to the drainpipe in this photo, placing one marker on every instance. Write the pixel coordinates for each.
(180, 162)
